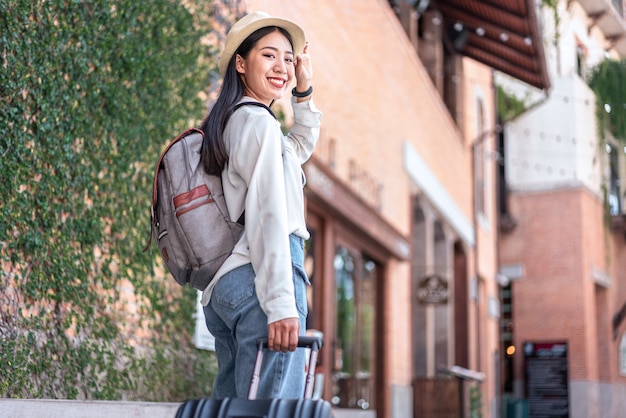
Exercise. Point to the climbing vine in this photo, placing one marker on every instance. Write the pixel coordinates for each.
(90, 91)
(509, 105)
(475, 401)
(553, 6)
(607, 82)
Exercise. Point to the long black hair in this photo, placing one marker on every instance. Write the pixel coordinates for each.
(214, 153)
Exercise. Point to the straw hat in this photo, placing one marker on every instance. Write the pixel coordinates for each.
(249, 24)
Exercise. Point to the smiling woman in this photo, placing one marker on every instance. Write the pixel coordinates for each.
(263, 280)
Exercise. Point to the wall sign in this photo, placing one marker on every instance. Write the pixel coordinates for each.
(547, 379)
(432, 289)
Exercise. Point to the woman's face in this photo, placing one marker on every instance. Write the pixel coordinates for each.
(268, 69)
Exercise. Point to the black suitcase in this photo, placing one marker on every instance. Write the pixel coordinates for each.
(266, 408)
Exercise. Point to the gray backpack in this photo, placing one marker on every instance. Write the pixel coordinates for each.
(189, 217)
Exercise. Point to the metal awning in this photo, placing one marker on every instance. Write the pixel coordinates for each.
(503, 34)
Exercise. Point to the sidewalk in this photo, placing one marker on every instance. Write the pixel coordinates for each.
(49, 408)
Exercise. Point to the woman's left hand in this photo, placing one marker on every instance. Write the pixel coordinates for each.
(303, 69)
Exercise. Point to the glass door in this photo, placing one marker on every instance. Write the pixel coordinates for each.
(353, 364)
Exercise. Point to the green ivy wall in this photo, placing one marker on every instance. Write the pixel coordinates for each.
(90, 92)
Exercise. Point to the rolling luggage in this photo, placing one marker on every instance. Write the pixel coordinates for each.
(266, 408)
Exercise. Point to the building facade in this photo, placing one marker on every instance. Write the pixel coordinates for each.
(401, 200)
(563, 247)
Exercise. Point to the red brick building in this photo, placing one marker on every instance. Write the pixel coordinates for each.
(403, 257)
(564, 247)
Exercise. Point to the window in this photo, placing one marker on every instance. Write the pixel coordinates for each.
(310, 269)
(354, 359)
(581, 67)
(479, 161)
(581, 58)
(479, 177)
(506, 337)
(614, 199)
(622, 355)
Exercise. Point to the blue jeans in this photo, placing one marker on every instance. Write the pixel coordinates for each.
(236, 320)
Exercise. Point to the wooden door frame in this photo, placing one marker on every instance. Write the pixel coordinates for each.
(330, 235)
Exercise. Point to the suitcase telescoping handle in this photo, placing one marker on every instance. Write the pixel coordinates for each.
(314, 343)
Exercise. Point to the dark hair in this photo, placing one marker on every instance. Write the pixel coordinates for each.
(214, 153)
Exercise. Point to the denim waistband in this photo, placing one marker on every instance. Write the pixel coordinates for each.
(296, 245)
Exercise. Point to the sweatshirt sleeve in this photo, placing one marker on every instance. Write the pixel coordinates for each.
(256, 154)
(305, 131)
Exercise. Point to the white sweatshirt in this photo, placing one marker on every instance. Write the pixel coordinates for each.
(264, 175)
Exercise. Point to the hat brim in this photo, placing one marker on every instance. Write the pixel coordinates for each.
(258, 20)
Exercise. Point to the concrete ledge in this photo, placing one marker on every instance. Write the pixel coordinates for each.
(50, 408)
(57, 408)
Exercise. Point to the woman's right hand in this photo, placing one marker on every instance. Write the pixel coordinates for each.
(283, 335)
(303, 69)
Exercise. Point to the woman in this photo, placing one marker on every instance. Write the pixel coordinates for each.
(260, 291)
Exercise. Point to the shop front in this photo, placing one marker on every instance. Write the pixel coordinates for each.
(348, 256)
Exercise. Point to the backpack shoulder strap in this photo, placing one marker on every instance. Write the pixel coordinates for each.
(158, 166)
(241, 104)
